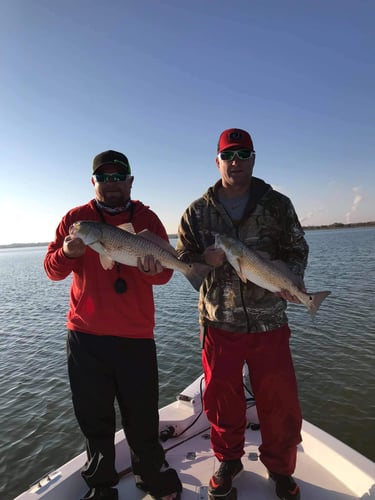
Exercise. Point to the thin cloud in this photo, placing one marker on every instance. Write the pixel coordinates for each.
(307, 217)
(355, 204)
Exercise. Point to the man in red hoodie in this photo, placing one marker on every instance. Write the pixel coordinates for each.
(111, 347)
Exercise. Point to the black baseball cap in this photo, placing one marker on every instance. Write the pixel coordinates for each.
(111, 157)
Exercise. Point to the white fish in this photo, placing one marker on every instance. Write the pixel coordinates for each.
(250, 265)
(117, 244)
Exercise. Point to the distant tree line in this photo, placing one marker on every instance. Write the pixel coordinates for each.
(340, 225)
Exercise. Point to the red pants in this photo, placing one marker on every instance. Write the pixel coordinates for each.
(274, 385)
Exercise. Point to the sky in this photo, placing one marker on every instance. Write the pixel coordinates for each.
(159, 80)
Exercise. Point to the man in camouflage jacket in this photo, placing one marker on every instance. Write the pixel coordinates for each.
(242, 322)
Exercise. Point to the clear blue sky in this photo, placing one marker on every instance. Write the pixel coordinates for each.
(159, 80)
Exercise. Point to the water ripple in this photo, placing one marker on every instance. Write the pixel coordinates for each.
(333, 354)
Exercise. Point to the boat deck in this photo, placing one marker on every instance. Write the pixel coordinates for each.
(327, 469)
(195, 464)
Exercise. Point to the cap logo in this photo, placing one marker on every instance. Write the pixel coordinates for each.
(235, 136)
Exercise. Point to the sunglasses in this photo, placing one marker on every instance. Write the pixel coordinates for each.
(242, 154)
(116, 177)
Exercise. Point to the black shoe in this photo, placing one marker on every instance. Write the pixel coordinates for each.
(221, 482)
(160, 484)
(101, 493)
(286, 487)
(140, 483)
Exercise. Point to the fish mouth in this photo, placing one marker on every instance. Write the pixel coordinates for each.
(74, 228)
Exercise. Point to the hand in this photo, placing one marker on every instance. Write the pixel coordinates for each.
(73, 247)
(150, 266)
(284, 294)
(214, 256)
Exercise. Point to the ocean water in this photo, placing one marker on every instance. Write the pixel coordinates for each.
(333, 354)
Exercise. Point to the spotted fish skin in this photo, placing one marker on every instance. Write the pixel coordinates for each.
(116, 244)
(253, 267)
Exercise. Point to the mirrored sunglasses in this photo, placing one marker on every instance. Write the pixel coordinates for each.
(115, 177)
(242, 154)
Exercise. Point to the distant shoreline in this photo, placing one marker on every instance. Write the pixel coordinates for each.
(336, 225)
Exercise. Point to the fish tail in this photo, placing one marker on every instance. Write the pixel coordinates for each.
(196, 273)
(315, 299)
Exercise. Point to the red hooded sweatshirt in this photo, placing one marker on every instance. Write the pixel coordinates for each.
(95, 307)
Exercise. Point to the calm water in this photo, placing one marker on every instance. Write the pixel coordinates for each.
(333, 354)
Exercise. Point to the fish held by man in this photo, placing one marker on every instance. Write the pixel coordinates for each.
(118, 244)
(252, 266)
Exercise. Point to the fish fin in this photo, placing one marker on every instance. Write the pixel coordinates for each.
(98, 247)
(154, 238)
(239, 271)
(315, 299)
(242, 277)
(106, 262)
(127, 226)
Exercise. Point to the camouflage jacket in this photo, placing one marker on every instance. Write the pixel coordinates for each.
(269, 224)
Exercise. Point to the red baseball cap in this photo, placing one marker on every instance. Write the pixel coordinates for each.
(234, 138)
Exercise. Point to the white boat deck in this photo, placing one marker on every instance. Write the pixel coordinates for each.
(195, 463)
(327, 469)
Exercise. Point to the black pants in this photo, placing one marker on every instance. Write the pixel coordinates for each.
(102, 369)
